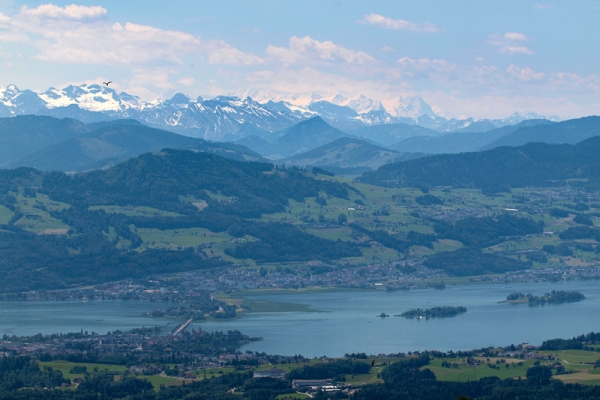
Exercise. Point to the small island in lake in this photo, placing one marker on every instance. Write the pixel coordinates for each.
(554, 297)
(435, 312)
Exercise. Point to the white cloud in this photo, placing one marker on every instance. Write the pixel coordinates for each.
(515, 36)
(307, 50)
(397, 24)
(515, 50)
(231, 56)
(508, 43)
(187, 81)
(72, 12)
(525, 74)
(425, 67)
(84, 35)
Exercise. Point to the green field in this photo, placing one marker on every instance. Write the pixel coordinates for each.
(65, 367)
(174, 238)
(391, 210)
(293, 396)
(466, 373)
(137, 211)
(5, 215)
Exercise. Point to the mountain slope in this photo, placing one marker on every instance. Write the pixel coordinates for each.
(390, 134)
(170, 180)
(571, 131)
(117, 142)
(534, 164)
(304, 136)
(24, 135)
(348, 153)
(460, 141)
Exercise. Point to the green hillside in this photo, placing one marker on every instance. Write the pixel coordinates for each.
(349, 153)
(462, 140)
(116, 141)
(571, 131)
(536, 164)
(174, 211)
(24, 135)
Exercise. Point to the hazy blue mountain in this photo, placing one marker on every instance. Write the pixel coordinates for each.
(305, 136)
(115, 143)
(24, 135)
(570, 131)
(533, 164)
(390, 134)
(479, 126)
(103, 124)
(460, 141)
(332, 111)
(347, 153)
(257, 144)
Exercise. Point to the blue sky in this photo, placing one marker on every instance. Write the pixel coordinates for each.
(465, 58)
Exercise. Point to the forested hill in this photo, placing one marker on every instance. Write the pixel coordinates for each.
(174, 189)
(534, 164)
(102, 145)
(571, 131)
(160, 179)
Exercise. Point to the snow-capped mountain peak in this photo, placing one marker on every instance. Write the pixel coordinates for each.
(408, 107)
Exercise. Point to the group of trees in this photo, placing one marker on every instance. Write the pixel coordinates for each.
(435, 312)
(465, 262)
(485, 232)
(330, 370)
(534, 164)
(400, 242)
(411, 379)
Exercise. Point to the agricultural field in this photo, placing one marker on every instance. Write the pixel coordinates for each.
(136, 211)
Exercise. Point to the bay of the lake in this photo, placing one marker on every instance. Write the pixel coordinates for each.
(346, 322)
(25, 318)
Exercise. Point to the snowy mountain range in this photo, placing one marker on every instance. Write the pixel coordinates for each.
(231, 117)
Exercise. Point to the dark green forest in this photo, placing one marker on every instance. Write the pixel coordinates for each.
(533, 164)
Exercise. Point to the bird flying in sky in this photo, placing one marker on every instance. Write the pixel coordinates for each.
(107, 83)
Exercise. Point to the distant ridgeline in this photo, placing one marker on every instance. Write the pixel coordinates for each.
(435, 312)
(533, 164)
(554, 297)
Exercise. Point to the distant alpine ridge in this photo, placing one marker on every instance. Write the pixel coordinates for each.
(230, 118)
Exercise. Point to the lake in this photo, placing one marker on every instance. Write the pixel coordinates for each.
(24, 318)
(346, 321)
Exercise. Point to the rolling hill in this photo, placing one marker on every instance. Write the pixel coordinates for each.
(571, 131)
(390, 134)
(304, 136)
(534, 164)
(112, 142)
(461, 141)
(349, 153)
(24, 135)
(99, 245)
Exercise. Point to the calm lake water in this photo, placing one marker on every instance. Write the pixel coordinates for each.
(32, 317)
(345, 322)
